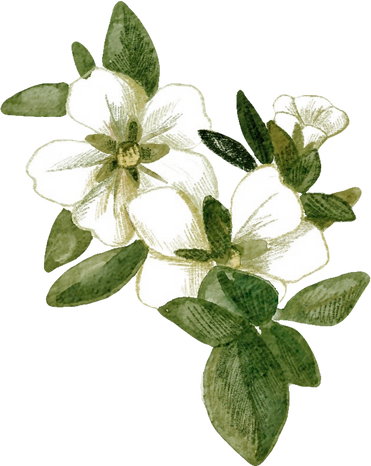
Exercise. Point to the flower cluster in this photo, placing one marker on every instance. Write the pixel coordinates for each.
(136, 173)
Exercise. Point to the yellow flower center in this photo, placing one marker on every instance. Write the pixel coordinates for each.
(128, 156)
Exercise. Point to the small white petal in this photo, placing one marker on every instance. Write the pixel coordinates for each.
(295, 255)
(188, 172)
(174, 116)
(166, 221)
(313, 136)
(105, 101)
(332, 121)
(64, 171)
(286, 104)
(159, 281)
(263, 207)
(103, 211)
(286, 122)
(310, 107)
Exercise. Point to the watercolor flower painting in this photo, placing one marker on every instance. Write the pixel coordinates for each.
(188, 234)
(137, 144)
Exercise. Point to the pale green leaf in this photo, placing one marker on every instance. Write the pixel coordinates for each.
(327, 302)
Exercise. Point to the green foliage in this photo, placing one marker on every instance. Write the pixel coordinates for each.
(199, 255)
(327, 302)
(98, 277)
(151, 152)
(129, 50)
(43, 100)
(327, 207)
(103, 143)
(246, 396)
(218, 226)
(304, 172)
(254, 130)
(66, 242)
(84, 62)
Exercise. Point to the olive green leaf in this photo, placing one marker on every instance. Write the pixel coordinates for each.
(293, 354)
(304, 172)
(98, 277)
(152, 152)
(285, 151)
(66, 242)
(129, 50)
(247, 295)
(218, 226)
(327, 302)
(84, 62)
(298, 138)
(203, 320)
(43, 100)
(326, 207)
(199, 255)
(228, 149)
(103, 143)
(246, 396)
(254, 130)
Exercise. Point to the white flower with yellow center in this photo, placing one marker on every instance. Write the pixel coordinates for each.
(316, 116)
(134, 145)
(269, 235)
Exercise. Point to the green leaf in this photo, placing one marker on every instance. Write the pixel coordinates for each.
(228, 149)
(66, 242)
(304, 172)
(218, 226)
(298, 138)
(246, 396)
(199, 255)
(152, 152)
(84, 62)
(327, 302)
(254, 130)
(205, 321)
(247, 295)
(285, 152)
(326, 207)
(293, 354)
(98, 277)
(43, 100)
(129, 50)
(103, 143)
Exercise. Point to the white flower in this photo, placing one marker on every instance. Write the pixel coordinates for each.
(134, 144)
(269, 231)
(316, 116)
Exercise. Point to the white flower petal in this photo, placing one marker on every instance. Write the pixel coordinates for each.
(286, 104)
(64, 171)
(313, 136)
(105, 101)
(263, 207)
(159, 281)
(174, 116)
(286, 122)
(167, 222)
(332, 121)
(103, 211)
(295, 255)
(188, 172)
(310, 107)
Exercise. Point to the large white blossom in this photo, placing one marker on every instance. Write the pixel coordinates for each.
(133, 145)
(269, 231)
(316, 116)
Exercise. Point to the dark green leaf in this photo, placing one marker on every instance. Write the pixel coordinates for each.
(218, 226)
(199, 255)
(254, 130)
(129, 50)
(304, 172)
(228, 149)
(252, 297)
(327, 302)
(98, 277)
(326, 207)
(66, 242)
(246, 396)
(205, 321)
(43, 100)
(293, 354)
(84, 62)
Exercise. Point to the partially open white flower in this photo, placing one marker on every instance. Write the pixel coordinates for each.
(270, 236)
(316, 116)
(134, 144)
